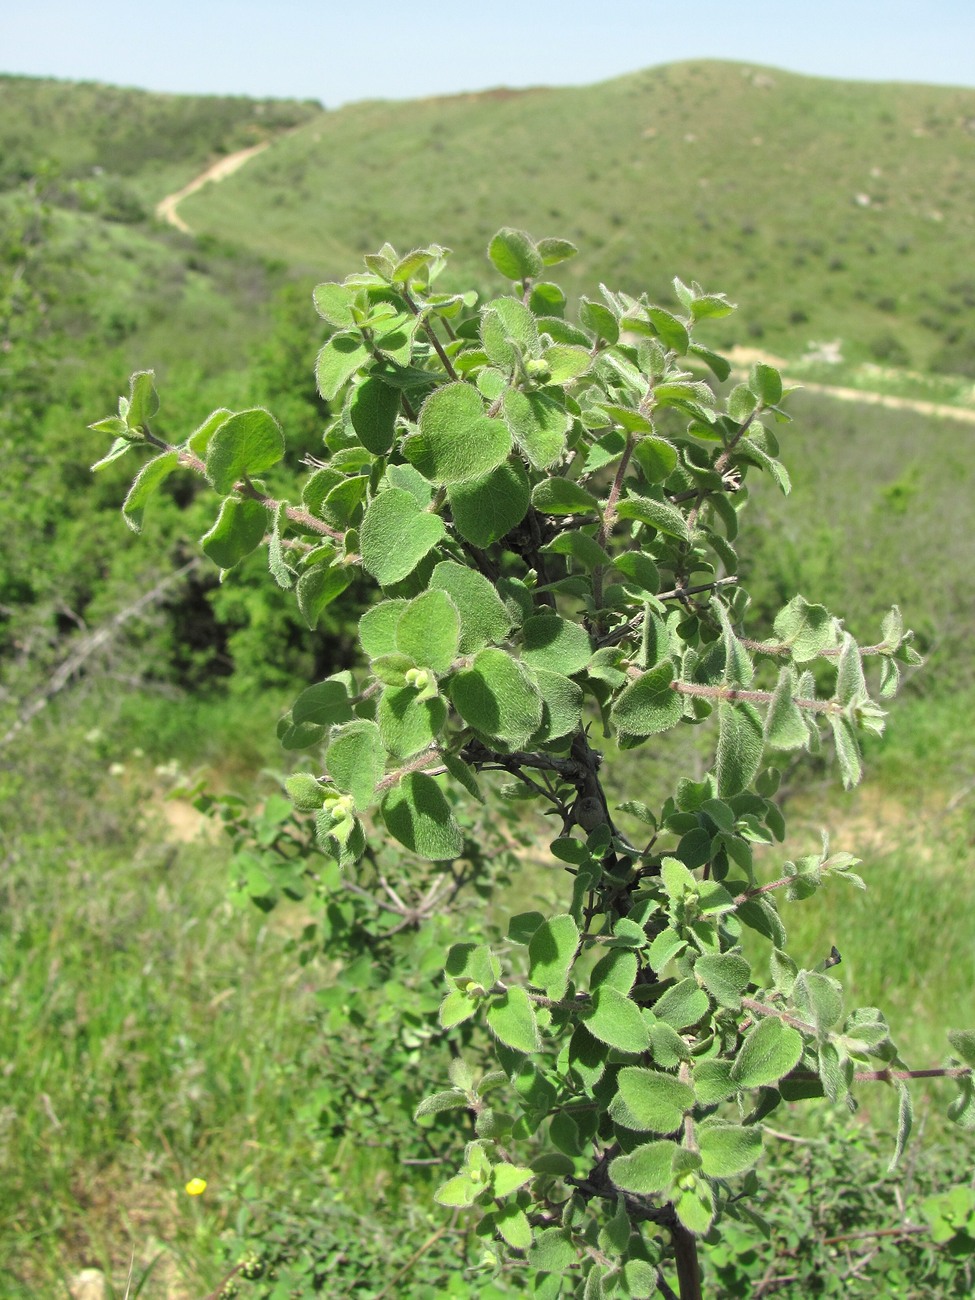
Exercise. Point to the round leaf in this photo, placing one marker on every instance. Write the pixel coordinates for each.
(456, 441)
(417, 815)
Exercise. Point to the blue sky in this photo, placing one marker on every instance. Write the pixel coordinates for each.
(338, 52)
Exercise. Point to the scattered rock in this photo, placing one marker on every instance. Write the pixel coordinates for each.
(89, 1284)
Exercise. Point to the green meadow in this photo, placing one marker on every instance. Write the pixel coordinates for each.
(153, 1029)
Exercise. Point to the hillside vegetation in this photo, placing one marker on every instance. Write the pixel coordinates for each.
(837, 210)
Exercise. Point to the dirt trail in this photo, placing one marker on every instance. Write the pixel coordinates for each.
(743, 358)
(218, 171)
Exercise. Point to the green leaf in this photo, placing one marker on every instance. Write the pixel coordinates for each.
(487, 508)
(617, 969)
(396, 534)
(658, 514)
(649, 704)
(439, 1102)
(766, 383)
(598, 318)
(306, 793)
(713, 1081)
(562, 496)
(511, 1017)
(818, 999)
(639, 1278)
(373, 412)
(652, 1102)
(615, 1020)
(963, 1041)
(581, 547)
(513, 1225)
(507, 1179)
(338, 360)
(740, 743)
(456, 441)
(417, 814)
(552, 1251)
(326, 703)
(333, 302)
(695, 1205)
(428, 631)
(553, 643)
(647, 1168)
(356, 760)
(245, 444)
(552, 251)
(682, 1005)
(847, 750)
(377, 628)
(456, 1007)
(484, 618)
(806, 629)
(407, 722)
(728, 1149)
(785, 728)
(515, 255)
(459, 1191)
(538, 425)
(143, 399)
(670, 330)
(551, 952)
(770, 1050)
(239, 529)
(587, 1057)
(565, 362)
(318, 587)
(497, 697)
(150, 476)
(725, 975)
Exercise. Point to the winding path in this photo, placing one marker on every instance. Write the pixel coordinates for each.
(218, 171)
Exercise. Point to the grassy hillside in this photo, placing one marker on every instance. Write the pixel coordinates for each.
(88, 129)
(828, 209)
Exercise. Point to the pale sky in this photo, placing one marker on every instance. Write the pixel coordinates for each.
(339, 52)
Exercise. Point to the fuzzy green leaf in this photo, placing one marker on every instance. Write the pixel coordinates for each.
(770, 1050)
(652, 1102)
(417, 814)
(356, 760)
(515, 255)
(150, 476)
(456, 441)
(728, 1149)
(429, 631)
(562, 496)
(408, 723)
(658, 514)
(483, 616)
(245, 444)
(647, 1169)
(373, 412)
(239, 529)
(551, 952)
(511, 1017)
(615, 1020)
(740, 743)
(538, 425)
(338, 360)
(486, 508)
(318, 587)
(556, 644)
(648, 705)
(497, 697)
(396, 534)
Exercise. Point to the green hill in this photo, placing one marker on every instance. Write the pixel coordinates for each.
(829, 209)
